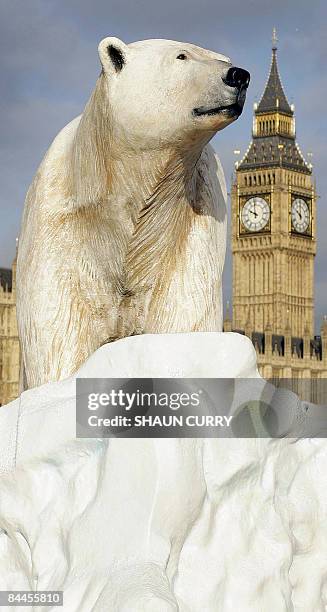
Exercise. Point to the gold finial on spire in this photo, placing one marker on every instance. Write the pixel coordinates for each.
(274, 39)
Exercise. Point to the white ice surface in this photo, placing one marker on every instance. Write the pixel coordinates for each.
(196, 525)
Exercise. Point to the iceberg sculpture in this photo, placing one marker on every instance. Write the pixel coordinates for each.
(160, 524)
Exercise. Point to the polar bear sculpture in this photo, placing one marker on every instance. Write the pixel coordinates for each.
(124, 224)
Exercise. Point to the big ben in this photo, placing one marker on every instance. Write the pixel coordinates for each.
(274, 242)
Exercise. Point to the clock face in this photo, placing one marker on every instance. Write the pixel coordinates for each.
(255, 214)
(300, 214)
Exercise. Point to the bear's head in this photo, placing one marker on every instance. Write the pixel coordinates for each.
(164, 93)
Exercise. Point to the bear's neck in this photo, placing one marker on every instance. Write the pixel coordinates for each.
(158, 194)
(141, 178)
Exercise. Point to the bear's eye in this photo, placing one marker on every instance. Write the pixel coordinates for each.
(181, 56)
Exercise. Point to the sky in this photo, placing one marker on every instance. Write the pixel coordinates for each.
(49, 65)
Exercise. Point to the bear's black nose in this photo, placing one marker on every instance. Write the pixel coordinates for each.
(237, 77)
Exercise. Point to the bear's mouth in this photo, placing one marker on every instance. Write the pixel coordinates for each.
(232, 109)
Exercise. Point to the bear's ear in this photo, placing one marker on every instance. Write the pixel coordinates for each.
(112, 53)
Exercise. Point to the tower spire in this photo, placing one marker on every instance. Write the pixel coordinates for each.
(274, 40)
(273, 98)
(274, 127)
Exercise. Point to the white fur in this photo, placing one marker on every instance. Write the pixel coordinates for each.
(125, 222)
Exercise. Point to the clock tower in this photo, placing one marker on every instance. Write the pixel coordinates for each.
(274, 222)
(274, 246)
